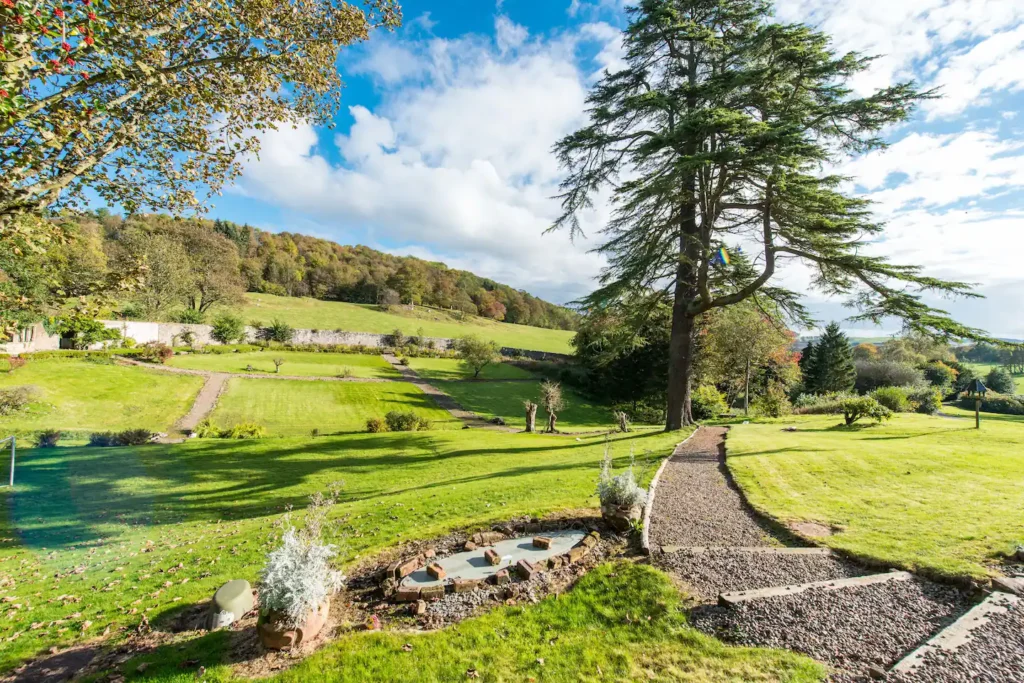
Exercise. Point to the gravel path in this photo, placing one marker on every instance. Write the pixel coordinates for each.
(994, 653)
(697, 504)
(854, 629)
(715, 570)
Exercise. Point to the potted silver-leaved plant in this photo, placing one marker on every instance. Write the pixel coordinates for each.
(298, 581)
(622, 499)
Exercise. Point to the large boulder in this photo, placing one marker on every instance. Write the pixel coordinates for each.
(230, 602)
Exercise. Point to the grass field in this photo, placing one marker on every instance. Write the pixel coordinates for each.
(330, 315)
(505, 400)
(104, 525)
(984, 368)
(924, 493)
(79, 397)
(957, 411)
(300, 363)
(451, 368)
(296, 407)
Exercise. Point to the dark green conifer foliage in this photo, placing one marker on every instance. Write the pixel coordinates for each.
(831, 366)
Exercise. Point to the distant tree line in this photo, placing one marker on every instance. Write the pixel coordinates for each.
(193, 265)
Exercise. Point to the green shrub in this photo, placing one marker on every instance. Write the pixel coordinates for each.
(129, 437)
(190, 316)
(207, 429)
(1000, 381)
(821, 404)
(278, 331)
(404, 360)
(1002, 405)
(79, 354)
(772, 403)
(15, 399)
(940, 375)
(246, 430)
(405, 421)
(228, 328)
(872, 375)
(893, 398)
(346, 372)
(707, 403)
(855, 409)
(376, 425)
(925, 400)
(48, 438)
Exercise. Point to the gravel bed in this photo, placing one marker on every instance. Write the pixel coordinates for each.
(720, 570)
(696, 505)
(853, 629)
(995, 654)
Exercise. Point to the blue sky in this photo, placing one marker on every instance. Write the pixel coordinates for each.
(442, 147)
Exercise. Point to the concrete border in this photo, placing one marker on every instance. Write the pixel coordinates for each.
(645, 535)
(959, 632)
(757, 549)
(738, 597)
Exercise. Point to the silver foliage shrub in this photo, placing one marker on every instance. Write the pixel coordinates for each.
(622, 489)
(298, 576)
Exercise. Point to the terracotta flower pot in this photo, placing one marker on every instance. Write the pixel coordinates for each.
(621, 517)
(276, 636)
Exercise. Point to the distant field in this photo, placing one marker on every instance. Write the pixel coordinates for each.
(79, 397)
(301, 363)
(452, 368)
(505, 400)
(984, 368)
(330, 315)
(923, 493)
(295, 407)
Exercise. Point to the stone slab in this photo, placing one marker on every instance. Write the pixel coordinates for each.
(1009, 585)
(763, 550)
(737, 597)
(472, 565)
(959, 632)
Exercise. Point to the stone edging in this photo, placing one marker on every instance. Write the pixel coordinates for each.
(645, 540)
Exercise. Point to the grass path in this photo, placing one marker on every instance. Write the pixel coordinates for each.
(296, 364)
(923, 493)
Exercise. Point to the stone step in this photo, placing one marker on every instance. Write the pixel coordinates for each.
(737, 597)
(959, 632)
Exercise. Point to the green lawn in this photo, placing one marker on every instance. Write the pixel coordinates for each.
(296, 407)
(984, 368)
(925, 493)
(331, 315)
(79, 397)
(104, 525)
(452, 368)
(300, 363)
(505, 399)
(957, 411)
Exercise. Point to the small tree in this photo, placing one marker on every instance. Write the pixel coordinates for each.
(476, 353)
(531, 416)
(278, 362)
(831, 366)
(864, 406)
(228, 328)
(1000, 381)
(551, 399)
(278, 331)
(84, 331)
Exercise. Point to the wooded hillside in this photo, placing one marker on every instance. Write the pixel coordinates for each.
(195, 264)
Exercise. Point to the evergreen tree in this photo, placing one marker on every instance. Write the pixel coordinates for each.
(831, 366)
(716, 130)
(806, 360)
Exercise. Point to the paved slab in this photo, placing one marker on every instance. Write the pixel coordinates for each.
(960, 632)
(473, 565)
(834, 584)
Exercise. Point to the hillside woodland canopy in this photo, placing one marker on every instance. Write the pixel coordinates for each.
(196, 265)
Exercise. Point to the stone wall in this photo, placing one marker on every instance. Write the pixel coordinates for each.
(170, 334)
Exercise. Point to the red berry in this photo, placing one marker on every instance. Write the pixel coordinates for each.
(66, 47)
(19, 20)
(59, 13)
(89, 40)
(8, 3)
(69, 61)
(92, 16)
(3, 93)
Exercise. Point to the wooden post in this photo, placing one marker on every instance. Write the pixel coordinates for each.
(977, 413)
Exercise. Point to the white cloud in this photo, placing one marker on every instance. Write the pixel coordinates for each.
(458, 169)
